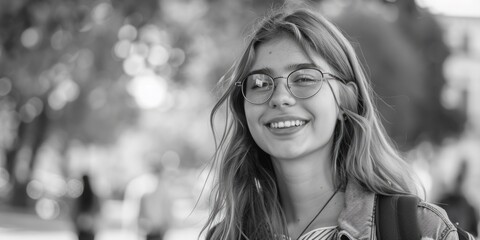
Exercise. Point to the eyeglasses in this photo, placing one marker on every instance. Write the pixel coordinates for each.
(257, 88)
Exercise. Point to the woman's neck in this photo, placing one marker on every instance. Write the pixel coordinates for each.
(305, 185)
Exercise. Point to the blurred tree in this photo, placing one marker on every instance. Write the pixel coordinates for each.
(64, 80)
(426, 35)
(404, 51)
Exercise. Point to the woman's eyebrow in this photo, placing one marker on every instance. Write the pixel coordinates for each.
(293, 67)
(265, 70)
(290, 67)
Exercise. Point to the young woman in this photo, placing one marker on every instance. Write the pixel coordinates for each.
(304, 153)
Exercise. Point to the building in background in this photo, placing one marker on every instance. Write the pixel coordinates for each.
(461, 25)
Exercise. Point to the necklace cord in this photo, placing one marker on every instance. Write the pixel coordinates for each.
(318, 213)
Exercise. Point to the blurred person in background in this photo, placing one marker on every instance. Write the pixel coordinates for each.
(86, 211)
(304, 155)
(458, 208)
(147, 207)
(155, 216)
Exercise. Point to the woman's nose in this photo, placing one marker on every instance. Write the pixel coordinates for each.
(281, 96)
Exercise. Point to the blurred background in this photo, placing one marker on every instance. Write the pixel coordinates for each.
(104, 106)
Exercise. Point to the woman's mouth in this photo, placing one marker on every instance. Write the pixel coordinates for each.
(286, 124)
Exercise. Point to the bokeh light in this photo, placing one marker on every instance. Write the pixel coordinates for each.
(148, 90)
(30, 37)
(74, 188)
(158, 55)
(122, 48)
(101, 12)
(35, 189)
(127, 32)
(66, 91)
(47, 208)
(134, 65)
(140, 49)
(153, 35)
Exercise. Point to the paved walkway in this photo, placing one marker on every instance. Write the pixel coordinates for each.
(18, 225)
(15, 224)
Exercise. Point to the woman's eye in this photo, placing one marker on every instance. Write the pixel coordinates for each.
(304, 80)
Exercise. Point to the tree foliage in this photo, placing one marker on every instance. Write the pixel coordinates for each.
(57, 57)
(403, 49)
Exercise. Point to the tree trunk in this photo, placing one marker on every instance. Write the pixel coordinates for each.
(21, 158)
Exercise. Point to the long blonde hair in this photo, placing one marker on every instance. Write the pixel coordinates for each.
(246, 201)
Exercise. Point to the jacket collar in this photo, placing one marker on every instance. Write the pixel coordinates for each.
(357, 219)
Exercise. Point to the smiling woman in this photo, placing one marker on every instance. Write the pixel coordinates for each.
(304, 155)
(317, 108)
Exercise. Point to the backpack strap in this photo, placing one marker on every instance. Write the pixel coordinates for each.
(462, 234)
(396, 217)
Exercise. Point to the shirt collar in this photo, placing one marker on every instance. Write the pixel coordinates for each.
(357, 217)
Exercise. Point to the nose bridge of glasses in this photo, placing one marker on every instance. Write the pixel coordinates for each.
(285, 90)
(276, 83)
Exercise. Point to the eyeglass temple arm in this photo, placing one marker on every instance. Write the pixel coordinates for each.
(335, 77)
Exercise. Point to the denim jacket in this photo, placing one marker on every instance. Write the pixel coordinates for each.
(357, 219)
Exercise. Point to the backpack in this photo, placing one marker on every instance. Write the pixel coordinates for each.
(396, 218)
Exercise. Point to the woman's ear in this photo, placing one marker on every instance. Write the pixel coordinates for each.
(353, 87)
(348, 99)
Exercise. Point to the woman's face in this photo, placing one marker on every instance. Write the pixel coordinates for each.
(319, 113)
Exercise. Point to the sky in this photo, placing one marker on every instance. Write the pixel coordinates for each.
(461, 8)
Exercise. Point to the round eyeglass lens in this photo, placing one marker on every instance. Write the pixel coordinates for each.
(305, 83)
(258, 88)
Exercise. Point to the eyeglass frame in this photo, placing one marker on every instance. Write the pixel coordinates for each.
(326, 76)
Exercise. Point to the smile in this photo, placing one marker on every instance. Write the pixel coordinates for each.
(286, 124)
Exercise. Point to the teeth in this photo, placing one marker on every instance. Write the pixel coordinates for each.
(286, 124)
